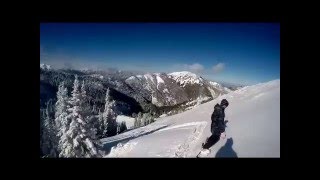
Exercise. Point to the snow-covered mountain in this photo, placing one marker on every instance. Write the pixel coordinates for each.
(184, 78)
(163, 90)
(253, 129)
(175, 88)
(196, 86)
(156, 93)
(45, 67)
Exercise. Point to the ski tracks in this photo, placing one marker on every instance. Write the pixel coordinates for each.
(121, 149)
(183, 150)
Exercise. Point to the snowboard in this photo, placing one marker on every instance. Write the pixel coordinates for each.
(204, 153)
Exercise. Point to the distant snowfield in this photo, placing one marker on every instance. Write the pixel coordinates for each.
(128, 120)
(253, 129)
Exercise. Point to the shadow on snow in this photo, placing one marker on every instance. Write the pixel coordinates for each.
(227, 151)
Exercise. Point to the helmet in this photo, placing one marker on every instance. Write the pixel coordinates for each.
(224, 102)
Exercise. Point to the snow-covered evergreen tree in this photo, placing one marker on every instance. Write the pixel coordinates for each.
(76, 141)
(109, 117)
(85, 105)
(135, 124)
(45, 137)
(112, 123)
(61, 107)
(49, 140)
(118, 128)
(138, 121)
(143, 120)
(88, 117)
(100, 124)
(41, 131)
(121, 127)
(94, 109)
(147, 118)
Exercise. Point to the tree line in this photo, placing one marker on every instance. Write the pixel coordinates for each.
(70, 127)
(75, 131)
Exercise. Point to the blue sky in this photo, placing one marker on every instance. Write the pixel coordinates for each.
(245, 53)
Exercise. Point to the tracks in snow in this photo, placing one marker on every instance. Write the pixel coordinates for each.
(183, 150)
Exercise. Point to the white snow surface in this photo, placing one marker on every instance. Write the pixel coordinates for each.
(185, 77)
(227, 89)
(165, 90)
(129, 120)
(215, 84)
(253, 128)
(163, 115)
(198, 101)
(149, 76)
(131, 78)
(159, 80)
(183, 73)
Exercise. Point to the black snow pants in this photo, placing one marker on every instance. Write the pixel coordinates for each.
(212, 140)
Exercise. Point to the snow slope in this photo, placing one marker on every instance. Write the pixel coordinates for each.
(253, 129)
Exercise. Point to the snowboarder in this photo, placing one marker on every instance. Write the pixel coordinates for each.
(218, 124)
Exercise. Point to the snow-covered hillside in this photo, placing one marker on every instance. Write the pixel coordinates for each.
(174, 88)
(163, 90)
(194, 83)
(253, 129)
(185, 77)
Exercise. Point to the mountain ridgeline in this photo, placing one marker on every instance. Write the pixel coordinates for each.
(157, 93)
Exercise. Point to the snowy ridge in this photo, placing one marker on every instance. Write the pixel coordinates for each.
(183, 74)
(45, 67)
(185, 77)
(131, 78)
(149, 77)
(215, 84)
(159, 80)
(253, 129)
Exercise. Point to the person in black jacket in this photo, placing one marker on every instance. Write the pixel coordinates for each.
(217, 125)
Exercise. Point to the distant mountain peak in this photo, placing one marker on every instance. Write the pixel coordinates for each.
(184, 73)
(186, 77)
(45, 66)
